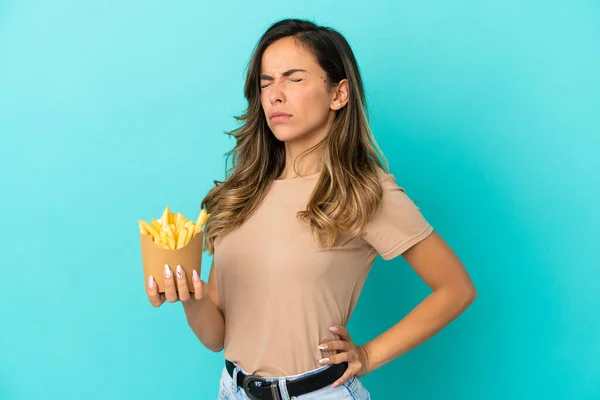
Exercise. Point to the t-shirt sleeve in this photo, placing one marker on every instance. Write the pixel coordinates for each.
(398, 224)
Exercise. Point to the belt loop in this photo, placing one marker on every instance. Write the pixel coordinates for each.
(234, 385)
(283, 389)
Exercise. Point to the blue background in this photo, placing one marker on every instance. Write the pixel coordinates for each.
(488, 112)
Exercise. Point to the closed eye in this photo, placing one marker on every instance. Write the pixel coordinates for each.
(293, 80)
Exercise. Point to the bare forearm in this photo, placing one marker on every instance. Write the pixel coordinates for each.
(206, 322)
(424, 321)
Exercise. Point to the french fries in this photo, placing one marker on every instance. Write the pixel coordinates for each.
(173, 231)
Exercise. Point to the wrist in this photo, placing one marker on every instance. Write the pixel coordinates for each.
(191, 303)
(367, 351)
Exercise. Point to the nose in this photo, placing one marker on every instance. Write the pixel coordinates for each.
(276, 93)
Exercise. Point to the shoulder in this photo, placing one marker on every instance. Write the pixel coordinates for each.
(398, 223)
(387, 180)
(382, 174)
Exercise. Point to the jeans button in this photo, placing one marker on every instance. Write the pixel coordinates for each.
(294, 398)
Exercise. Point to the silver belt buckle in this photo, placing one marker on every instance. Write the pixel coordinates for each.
(253, 378)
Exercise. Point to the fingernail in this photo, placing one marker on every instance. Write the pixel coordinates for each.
(179, 271)
(333, 329)
(335, 384)
(151, 282)
(195, 276)
(324, 360)
(167, 271)
(323, 346)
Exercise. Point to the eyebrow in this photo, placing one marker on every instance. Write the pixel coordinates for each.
(286, 73)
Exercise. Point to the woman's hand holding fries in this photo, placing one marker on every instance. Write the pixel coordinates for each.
(173, 233)
(176, 288)
(172, 261)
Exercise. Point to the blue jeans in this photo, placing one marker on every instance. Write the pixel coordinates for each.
(352, 389)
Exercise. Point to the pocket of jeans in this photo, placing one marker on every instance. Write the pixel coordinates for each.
(359, 392)
(350, 382)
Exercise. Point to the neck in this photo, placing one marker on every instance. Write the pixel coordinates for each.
(305, 163)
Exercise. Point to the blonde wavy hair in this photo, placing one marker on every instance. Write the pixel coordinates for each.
(348, 191)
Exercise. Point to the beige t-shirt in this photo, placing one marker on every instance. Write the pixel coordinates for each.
(280, 292)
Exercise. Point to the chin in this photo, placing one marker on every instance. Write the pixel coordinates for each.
(286, 135)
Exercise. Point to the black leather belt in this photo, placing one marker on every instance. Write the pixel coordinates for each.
(258, 388)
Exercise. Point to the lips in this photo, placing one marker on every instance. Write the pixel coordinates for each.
(279, 116)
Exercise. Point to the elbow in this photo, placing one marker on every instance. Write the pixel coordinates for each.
(468, 294)
(215, 346)
(460, 295)
(212, 344)
(216, 349)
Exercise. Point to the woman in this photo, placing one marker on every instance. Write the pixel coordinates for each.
(296, 226)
